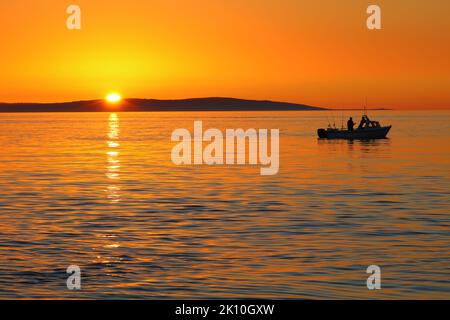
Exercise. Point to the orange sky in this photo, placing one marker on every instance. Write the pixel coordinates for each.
(313, 52)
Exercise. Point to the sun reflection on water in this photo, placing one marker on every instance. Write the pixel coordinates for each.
(113, 162)
(106, 249)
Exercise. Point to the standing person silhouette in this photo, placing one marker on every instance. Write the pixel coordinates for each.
(350, 124)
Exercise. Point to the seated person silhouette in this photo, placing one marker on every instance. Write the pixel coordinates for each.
(364, 122)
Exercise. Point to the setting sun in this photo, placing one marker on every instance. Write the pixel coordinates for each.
(113, 97)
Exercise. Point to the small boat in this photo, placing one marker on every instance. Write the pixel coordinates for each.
(367, 130)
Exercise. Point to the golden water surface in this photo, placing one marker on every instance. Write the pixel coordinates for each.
(99, 190)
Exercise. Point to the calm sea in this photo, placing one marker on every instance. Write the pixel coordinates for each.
(99, 190)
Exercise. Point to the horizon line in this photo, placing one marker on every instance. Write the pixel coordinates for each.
(338, 108)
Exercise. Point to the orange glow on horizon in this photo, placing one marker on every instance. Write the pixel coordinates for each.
(316, 53)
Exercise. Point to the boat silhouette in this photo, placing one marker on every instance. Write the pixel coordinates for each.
(367, 129)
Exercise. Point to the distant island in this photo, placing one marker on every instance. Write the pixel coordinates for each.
(136, 105)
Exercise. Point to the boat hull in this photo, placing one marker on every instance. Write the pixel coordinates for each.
(366, 133)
